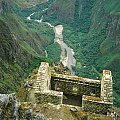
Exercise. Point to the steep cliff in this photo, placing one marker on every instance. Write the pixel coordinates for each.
(12, 60)
(19, 45)
(63, 10)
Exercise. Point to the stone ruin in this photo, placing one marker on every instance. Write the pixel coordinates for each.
(104, 103)
(49, 87)
(42, 86)
(96, 95)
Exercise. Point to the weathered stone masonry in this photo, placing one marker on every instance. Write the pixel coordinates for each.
(105, 102)
(96, 94)
(75, 85)
(43, 92)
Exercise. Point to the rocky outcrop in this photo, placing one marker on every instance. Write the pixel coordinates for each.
(108, 20)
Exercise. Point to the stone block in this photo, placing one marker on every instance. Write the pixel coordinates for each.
(53, 97)
(95, 105)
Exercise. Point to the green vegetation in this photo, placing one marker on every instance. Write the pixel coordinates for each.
(82, 15)
(35, 63)
(84, 55)
(10, 69)
(29, 49)
(54, 52)
(93, 54)
(22, 46)
(25, 12)
(45, 33)
(28, 3)
(9, 76)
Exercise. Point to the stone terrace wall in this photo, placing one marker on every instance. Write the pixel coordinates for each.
(43, 93)
(53, 97)
(95, 105)
(96, 94)
(104, 104)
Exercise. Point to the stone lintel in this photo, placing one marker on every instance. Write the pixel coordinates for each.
(75, 78)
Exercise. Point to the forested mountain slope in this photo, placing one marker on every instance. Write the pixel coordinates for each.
(92, 29)
(27, 3)
(19, 46)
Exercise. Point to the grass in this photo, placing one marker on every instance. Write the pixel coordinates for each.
(29, 49)
(54, 52)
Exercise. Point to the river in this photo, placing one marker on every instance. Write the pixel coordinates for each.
(67, 53)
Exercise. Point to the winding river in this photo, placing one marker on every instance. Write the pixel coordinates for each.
(67, 53)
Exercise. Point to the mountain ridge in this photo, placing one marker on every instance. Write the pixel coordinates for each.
(20, 45)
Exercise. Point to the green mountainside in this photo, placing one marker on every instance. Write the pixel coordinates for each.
(91, 28)
(27, 3)
(21, 46)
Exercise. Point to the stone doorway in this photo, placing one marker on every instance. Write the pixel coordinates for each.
(75, 100)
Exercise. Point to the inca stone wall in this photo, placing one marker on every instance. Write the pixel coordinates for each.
(106, 86)
(53, 97)
(42, 87)
(96, 94)
(102, 105)
(43, 78)
(75, 85)
(95, 105)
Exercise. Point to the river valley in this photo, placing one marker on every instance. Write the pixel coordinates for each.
(67, 53)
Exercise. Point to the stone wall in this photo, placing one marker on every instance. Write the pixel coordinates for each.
(53, 97)
(42, 87)
(96, 94)
(43, 78)
(75, 85)
(106, 86)
(104, 103)
(95, 105)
